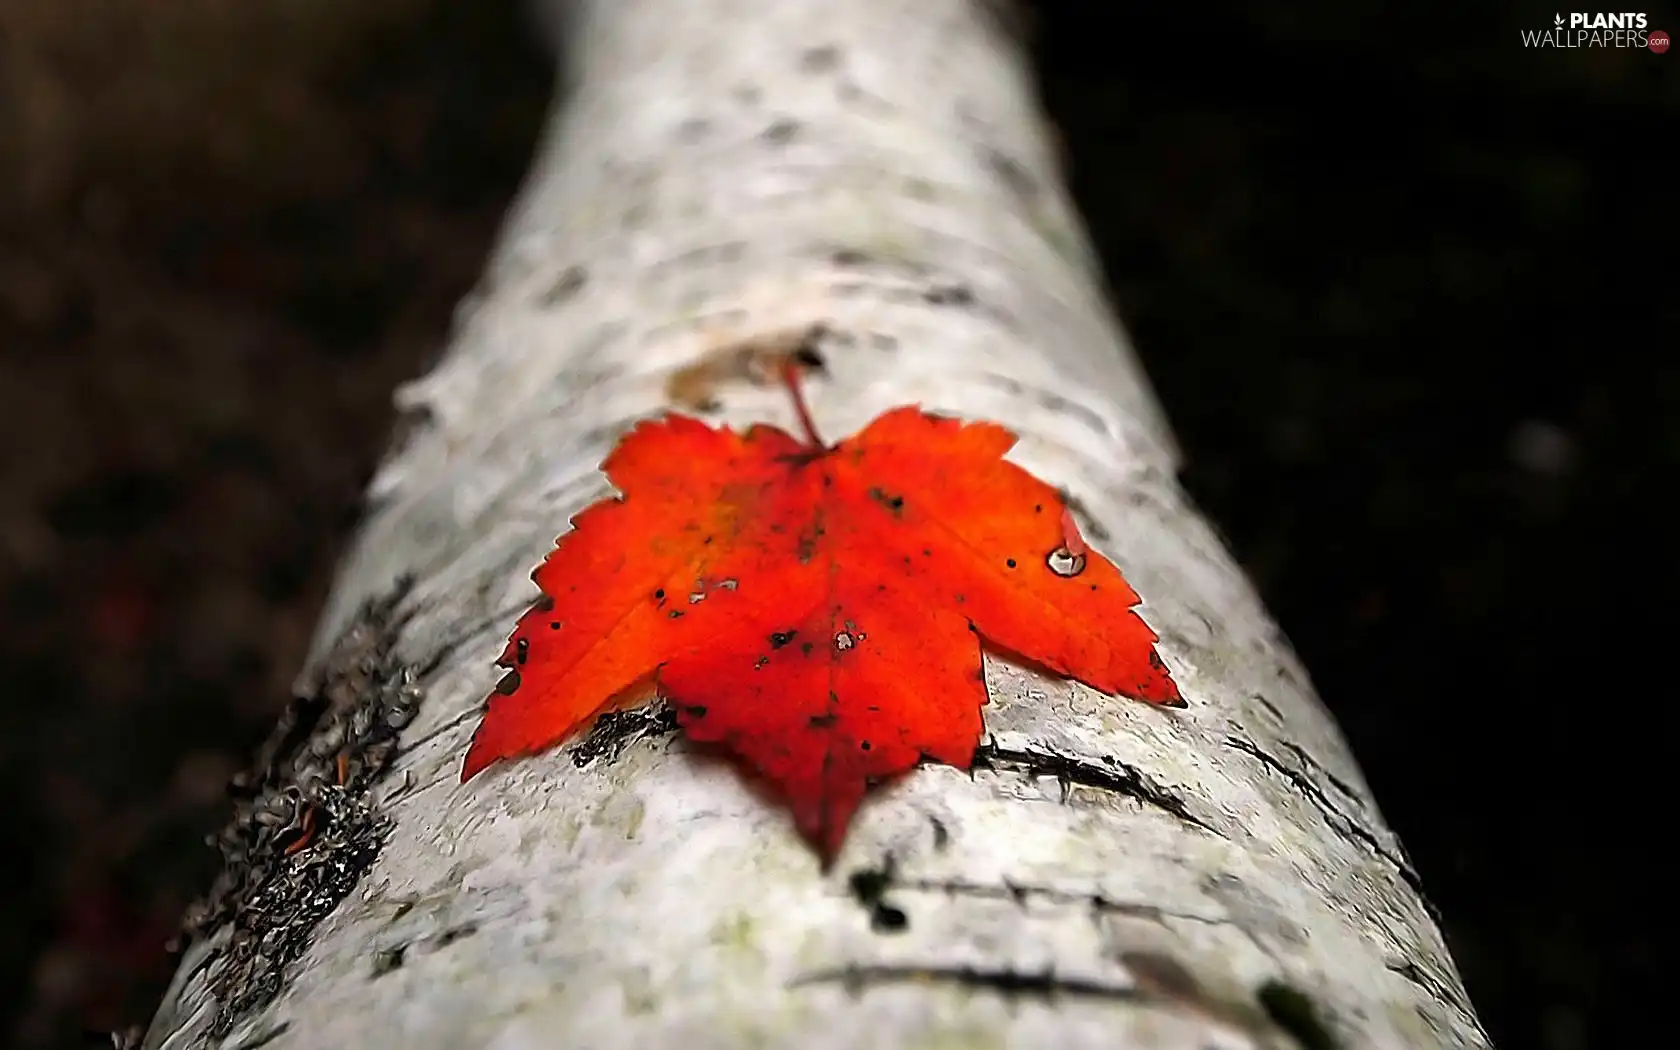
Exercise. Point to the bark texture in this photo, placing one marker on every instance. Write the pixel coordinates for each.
(1109, 875)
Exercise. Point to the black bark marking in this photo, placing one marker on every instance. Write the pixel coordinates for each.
(614, 731)
(568, 284)
(1291, 1010)
(821, 59)
(808, 354)
(1014, 175)
(1020, 894)
(1169, 980)
(1163, 975)
(1339, 822)
(869, 887)
(1011, 983)
(452, 723)
(455, 933)
(1055, 403)
(957, 295)
(1112, 775)
(1088, 523)
(1336, 782)
(386, 960)
(304, 831)
(780, 132)
(496, 621)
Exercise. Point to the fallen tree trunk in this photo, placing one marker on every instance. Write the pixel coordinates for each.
(720, 173)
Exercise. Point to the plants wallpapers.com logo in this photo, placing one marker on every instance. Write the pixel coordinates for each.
(1624, 29)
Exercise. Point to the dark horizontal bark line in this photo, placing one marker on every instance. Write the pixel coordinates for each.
(871, 887)
(1052, 401)
(1021, 894)
(1157, 978)
(1335, 781)
(1160, 983)
(1341, 823)
(858, 978)
(1106, 774)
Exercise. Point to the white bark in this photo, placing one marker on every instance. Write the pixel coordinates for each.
(706, 176)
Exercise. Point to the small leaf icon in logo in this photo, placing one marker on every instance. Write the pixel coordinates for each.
(1558, 21)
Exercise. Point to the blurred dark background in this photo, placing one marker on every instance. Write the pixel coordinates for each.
(1406, 288)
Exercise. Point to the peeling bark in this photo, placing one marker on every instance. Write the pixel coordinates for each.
(1108, 874)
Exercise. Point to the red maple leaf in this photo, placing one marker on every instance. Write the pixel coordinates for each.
(816, 610)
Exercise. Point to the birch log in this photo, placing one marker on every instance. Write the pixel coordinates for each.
(1110, 875)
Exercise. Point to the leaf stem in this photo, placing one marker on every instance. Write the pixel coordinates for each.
(790, 378)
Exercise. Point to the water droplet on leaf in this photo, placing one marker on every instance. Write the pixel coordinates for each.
(844, 641)
(1064, 562)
